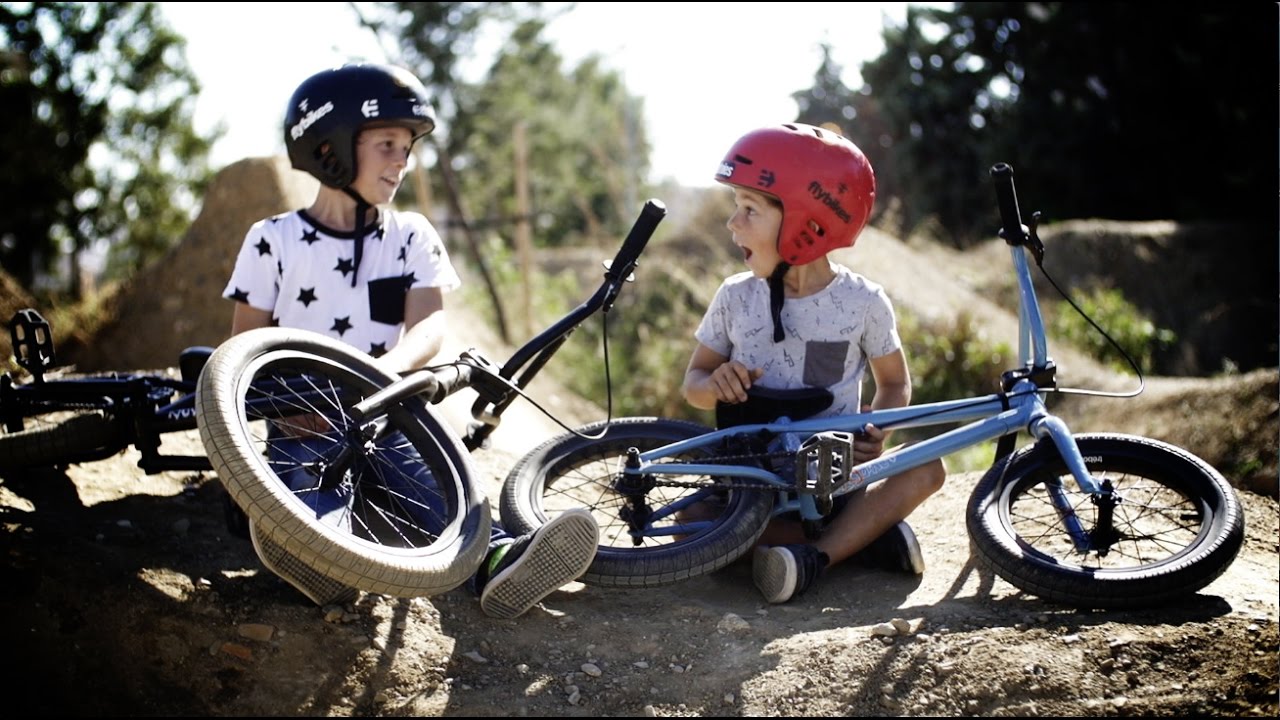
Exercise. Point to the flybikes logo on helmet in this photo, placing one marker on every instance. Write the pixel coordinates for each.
(310, 119)
(825, 197)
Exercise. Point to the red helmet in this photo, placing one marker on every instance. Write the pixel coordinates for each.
(824, 182)
(329, 108)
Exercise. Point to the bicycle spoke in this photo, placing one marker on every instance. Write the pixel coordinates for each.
(1151, 522)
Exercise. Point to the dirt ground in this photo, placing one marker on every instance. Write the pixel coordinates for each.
(125, 594)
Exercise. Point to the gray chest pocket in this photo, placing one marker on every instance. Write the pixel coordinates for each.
(386, 299)
(824, 362)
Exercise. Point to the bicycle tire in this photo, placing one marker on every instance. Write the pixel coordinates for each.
(380, 529)
(1180, 523)
(573, 471)
(84, 436)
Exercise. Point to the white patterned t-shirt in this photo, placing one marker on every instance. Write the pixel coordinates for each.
(301, 272)
(830, 335)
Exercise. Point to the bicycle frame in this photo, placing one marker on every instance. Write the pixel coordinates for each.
(142, 408)
(1020, 406)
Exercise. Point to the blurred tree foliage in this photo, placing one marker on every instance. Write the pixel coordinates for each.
(587, 152)
(1114, 110)
(587, 148)
(96, 138)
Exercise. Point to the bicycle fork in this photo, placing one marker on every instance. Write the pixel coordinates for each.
(634, 488)
(643, 519)
(1102, 494)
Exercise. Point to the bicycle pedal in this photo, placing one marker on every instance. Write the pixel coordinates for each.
(821, 462)
(32, 342)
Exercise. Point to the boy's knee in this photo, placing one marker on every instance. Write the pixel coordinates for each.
(933, 477)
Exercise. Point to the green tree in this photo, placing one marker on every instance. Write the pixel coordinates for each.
(433, 38)
(857, 115)
(96, 142)
(1110, 110)
(587, 151)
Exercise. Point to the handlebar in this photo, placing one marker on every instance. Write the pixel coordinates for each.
(1012, 229)
(495, 397)
(625, 261)
(495, 387)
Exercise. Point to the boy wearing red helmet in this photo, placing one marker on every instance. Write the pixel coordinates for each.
(795, 319)
(374, 278)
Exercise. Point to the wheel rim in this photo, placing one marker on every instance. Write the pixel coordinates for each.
(368, 489)
(681, 512)
(1156, 523)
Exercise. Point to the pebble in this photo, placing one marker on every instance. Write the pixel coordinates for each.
(884, 629)
(257, 631)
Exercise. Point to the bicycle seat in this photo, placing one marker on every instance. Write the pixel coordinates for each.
(765, 405)
(191, 361)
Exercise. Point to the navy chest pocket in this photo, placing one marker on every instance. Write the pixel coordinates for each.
(386, 299)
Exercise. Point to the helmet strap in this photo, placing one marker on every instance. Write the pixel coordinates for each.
(777, 294)
(362, 209)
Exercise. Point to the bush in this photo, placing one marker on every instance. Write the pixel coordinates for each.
(1131, 330)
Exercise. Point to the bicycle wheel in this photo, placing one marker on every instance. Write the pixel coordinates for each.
(388, 507)
(1176, 528)
(59, 438)
(695, 527)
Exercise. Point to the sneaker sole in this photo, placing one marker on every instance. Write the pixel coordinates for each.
(774, 573)
(557, 555)
(321, 589)
(914, 558)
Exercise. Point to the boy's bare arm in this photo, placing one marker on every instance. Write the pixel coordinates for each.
(247, 317)
(425, 326)
(712, 377)
(893, 381)
(893, 389)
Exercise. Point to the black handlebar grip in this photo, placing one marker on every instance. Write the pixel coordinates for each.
(650, 215)
(1007, 198)
(449, 379)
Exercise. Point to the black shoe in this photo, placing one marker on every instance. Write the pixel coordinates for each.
(786, 571)
(897, 550)
(524, 571)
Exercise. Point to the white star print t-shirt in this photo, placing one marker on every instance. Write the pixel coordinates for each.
(301, 272)
(830, 335)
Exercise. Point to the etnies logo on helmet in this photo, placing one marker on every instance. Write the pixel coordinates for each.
(310, 119)
(726, 170)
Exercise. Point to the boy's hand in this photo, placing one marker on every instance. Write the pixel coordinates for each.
(731, 381)
(868, 443)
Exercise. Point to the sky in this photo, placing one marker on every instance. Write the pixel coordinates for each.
(707, 73)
